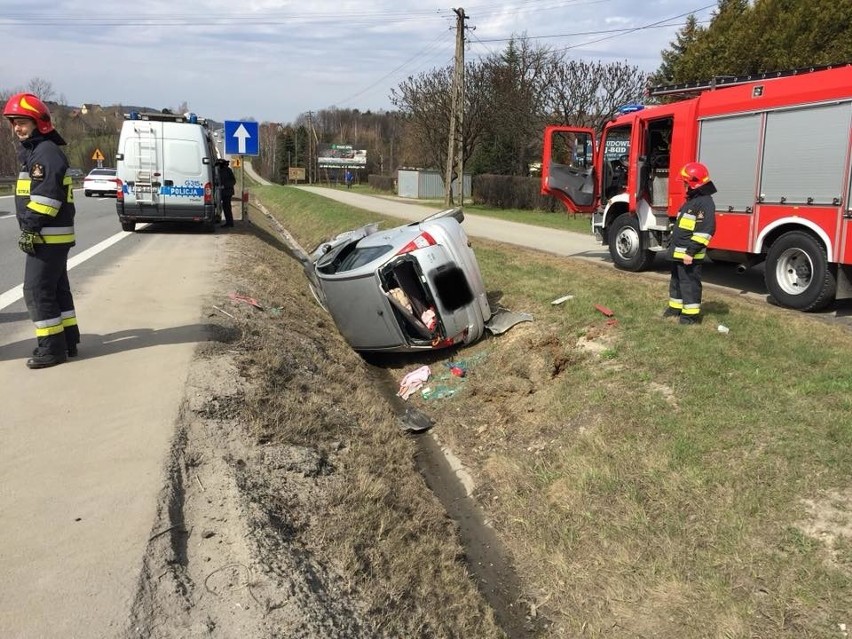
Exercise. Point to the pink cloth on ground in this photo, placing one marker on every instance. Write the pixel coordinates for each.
(413, 380)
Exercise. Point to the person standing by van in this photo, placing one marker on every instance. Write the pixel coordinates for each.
(44, 205)
(226, 182)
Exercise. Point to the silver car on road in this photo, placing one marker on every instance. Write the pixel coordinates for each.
(409, 288)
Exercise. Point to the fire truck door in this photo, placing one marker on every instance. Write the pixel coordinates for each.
(639, 171)
(567, 168)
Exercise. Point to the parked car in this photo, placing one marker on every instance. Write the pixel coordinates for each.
(75, 174)
(100, 182)
(410, 288)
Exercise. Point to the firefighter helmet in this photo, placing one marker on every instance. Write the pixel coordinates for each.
(694, 174)
(26, 105)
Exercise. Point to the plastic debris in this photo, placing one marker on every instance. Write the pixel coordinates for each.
(503, 319)
(414, 421)
(237, 297)
(723, 329)
(564, 298)
(440, 391)
(604, 310)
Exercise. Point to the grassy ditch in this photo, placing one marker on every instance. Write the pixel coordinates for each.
(650, 479)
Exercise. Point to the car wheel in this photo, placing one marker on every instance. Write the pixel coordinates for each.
(627, 244)
(88, 193)
(798, 274)
(128, 226)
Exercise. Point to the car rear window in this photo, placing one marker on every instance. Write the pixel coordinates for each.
(361, 256)
(102, 172)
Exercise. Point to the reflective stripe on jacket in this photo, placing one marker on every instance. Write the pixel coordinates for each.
(44, 196)
(695, 224)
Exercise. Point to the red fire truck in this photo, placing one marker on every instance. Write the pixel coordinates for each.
(779, 150)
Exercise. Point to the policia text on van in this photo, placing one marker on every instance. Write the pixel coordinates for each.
(165, 170)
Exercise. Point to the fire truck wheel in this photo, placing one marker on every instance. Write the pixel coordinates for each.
(798, 274)
(628, 245)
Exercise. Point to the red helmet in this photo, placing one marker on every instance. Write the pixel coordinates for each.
(26, 105)
(694, 174)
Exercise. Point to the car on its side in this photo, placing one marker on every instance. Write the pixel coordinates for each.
(405, 289)
(100, 181)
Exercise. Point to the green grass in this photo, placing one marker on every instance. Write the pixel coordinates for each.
(561, 219)
(667, 485)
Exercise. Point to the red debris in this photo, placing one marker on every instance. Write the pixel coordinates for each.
(604, 310)
(237, 297)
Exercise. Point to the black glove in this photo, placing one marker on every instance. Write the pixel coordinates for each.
(26, 242)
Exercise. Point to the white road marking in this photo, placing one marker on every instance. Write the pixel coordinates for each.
(13, 295)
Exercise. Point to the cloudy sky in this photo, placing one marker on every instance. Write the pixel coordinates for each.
(272, 60)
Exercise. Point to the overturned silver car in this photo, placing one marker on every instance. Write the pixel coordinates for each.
(409, 288)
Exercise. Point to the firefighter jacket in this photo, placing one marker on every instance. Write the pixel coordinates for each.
(695, 224)
(44, 198)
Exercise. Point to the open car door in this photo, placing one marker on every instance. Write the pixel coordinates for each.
(567, 167)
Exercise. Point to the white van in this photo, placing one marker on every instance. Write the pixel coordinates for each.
(164, 167)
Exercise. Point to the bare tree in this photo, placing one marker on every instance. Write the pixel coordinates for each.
(42, 88)
(425, 102)
(587, 93)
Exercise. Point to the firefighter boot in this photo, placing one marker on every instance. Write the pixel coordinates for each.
(51, 351)
(689, 320)
(72, 338)
(671, 312)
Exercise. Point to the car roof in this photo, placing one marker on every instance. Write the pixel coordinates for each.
(102, 170)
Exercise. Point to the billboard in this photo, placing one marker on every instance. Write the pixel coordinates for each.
(340, 156)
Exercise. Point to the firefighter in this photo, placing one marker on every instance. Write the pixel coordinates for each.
(44, 204)
(693, 228)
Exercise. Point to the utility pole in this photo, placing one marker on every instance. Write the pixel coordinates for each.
(310, 148)
(454, 145)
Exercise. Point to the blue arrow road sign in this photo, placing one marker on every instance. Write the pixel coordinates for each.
(241, 138)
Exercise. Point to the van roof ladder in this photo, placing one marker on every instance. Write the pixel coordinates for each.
(146, 142)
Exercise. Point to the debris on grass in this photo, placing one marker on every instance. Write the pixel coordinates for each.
(245, 299)
(604, 310)
(413, 381)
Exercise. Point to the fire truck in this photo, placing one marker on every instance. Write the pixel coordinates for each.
(779, 150)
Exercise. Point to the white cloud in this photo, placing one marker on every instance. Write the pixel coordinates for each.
(274, 60)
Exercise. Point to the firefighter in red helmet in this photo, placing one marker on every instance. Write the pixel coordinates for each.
(693, 229)
(44, 204)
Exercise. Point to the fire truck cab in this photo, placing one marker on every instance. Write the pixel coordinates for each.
(778, 150)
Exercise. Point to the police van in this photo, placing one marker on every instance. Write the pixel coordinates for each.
(165, 167)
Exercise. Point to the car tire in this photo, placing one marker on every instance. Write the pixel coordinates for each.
(88, 193)
(130, 227)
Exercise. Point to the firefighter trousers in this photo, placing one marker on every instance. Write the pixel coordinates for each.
(47, 294)
(685, 288)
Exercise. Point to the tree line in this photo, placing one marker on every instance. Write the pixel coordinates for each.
(510, 96)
